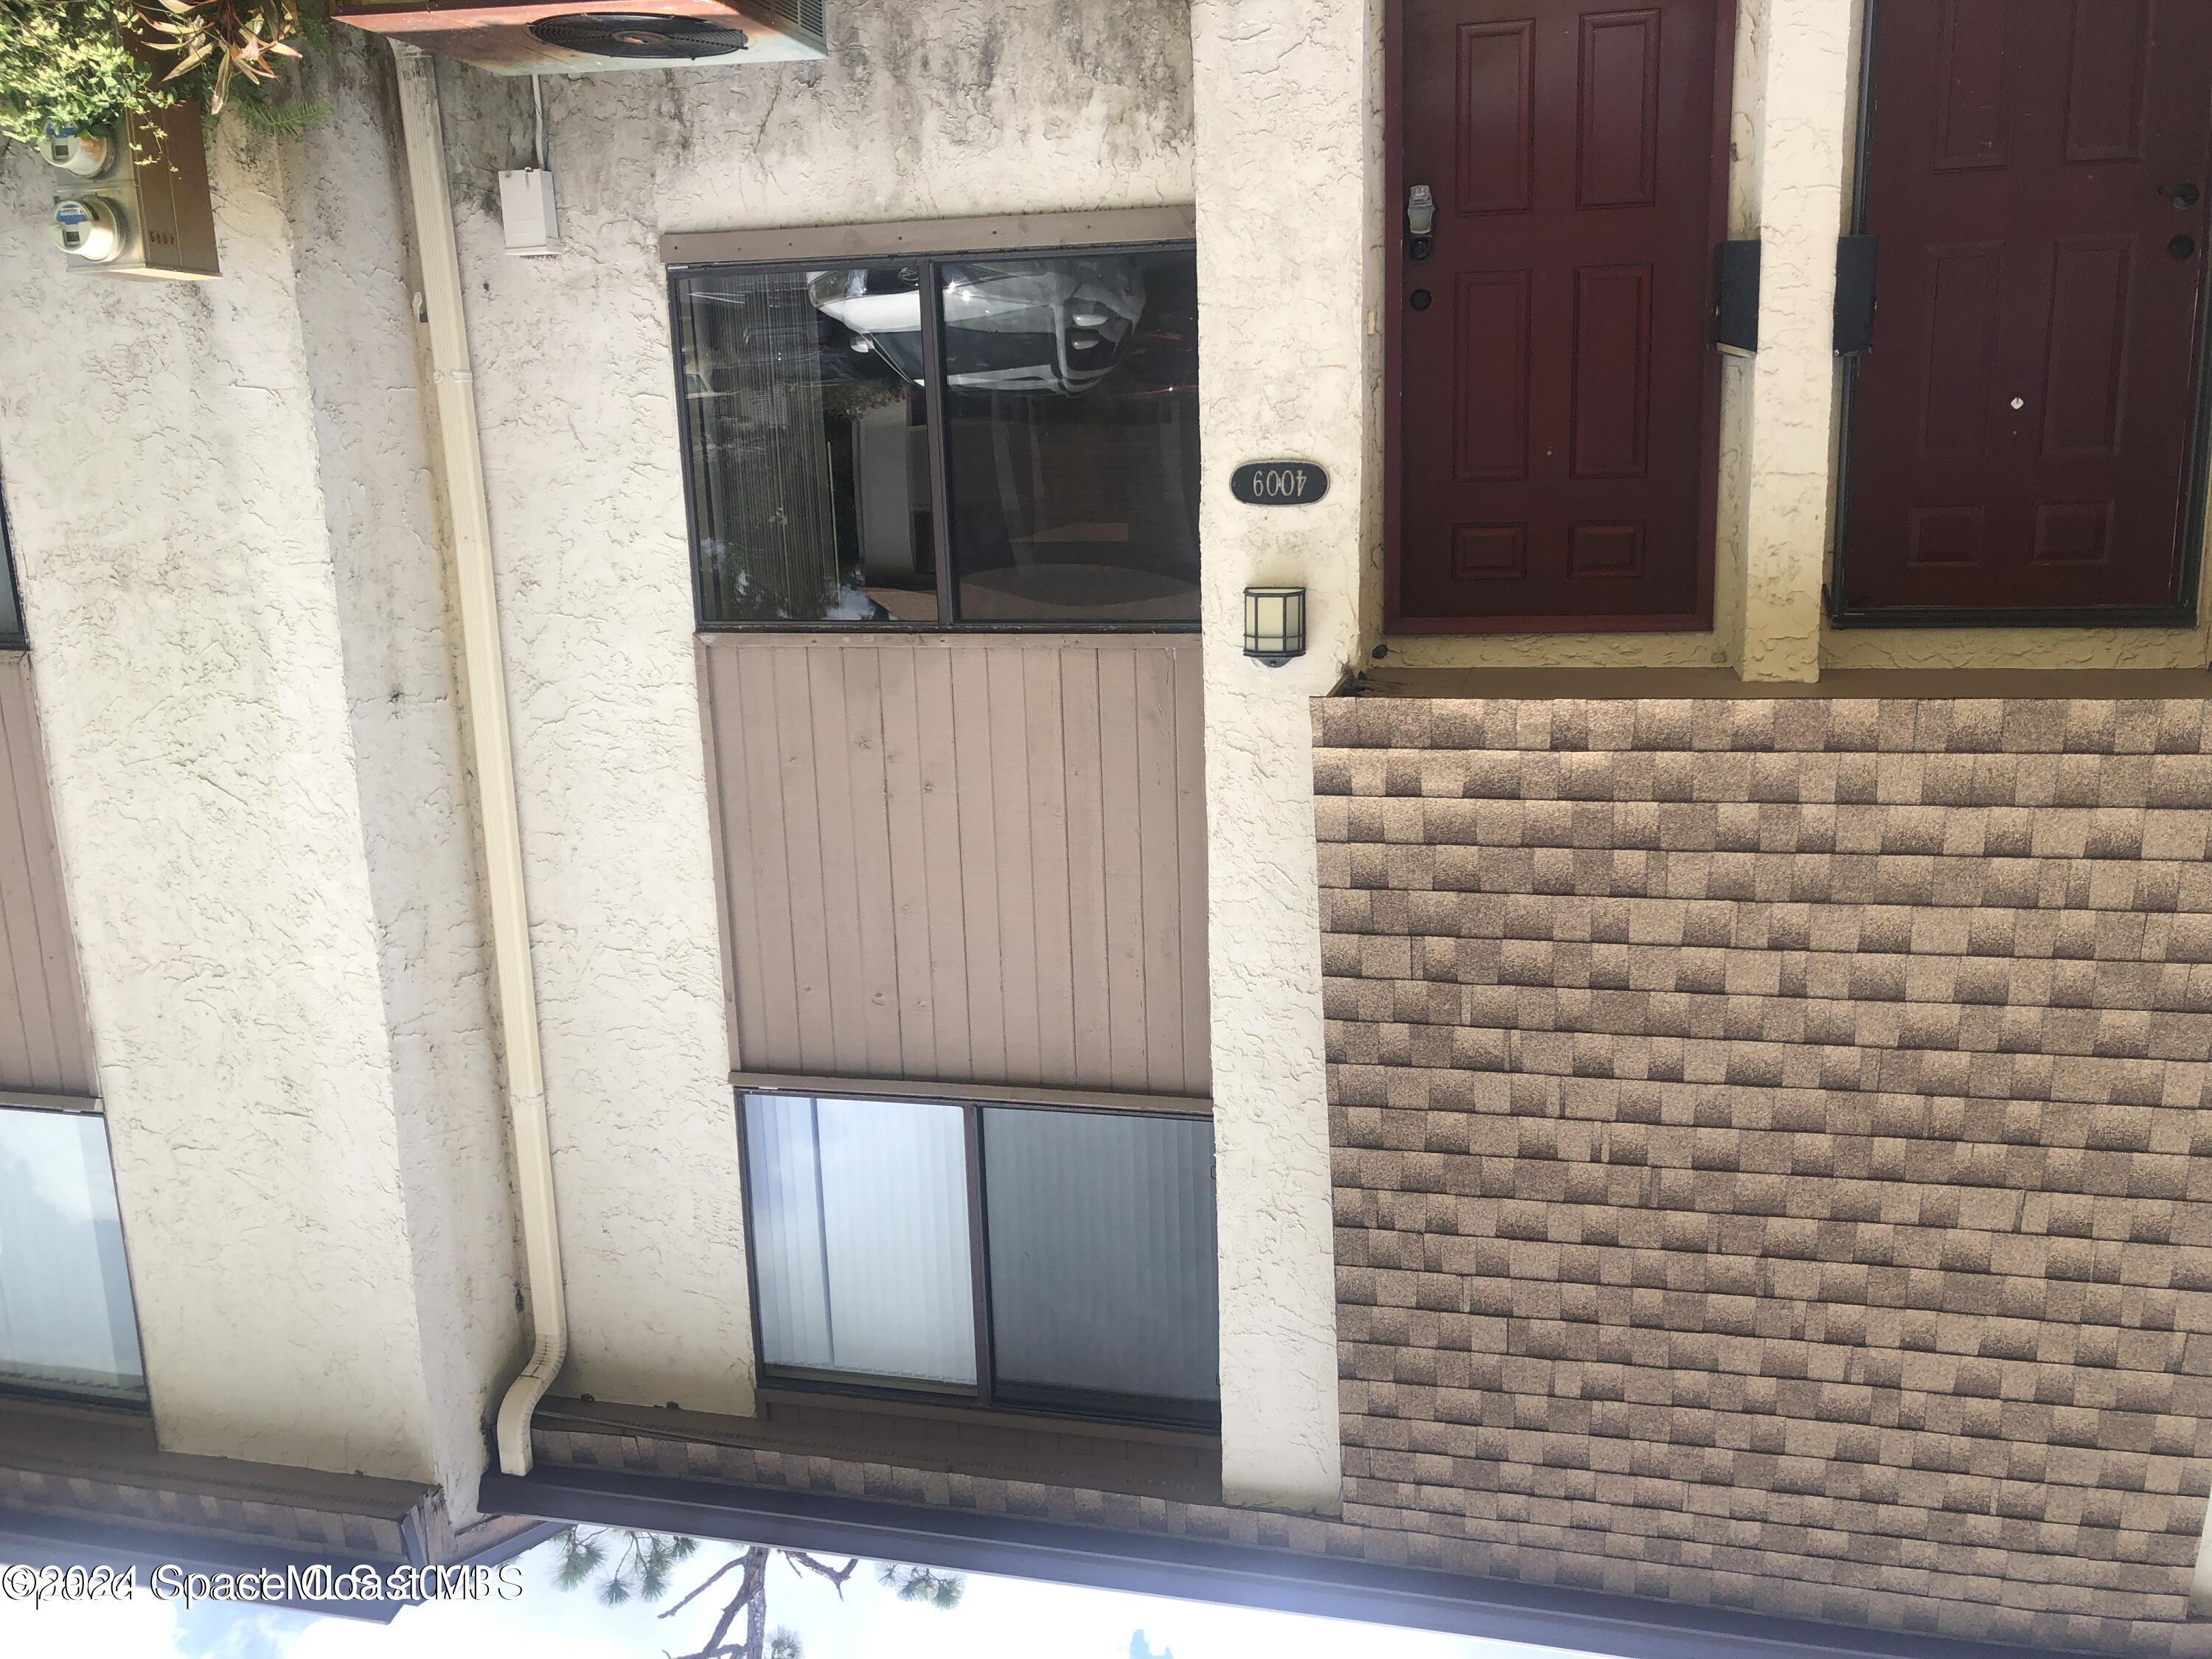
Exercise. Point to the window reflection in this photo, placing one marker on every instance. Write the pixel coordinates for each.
(1070, 409)
(1069, 417)
(810, 447)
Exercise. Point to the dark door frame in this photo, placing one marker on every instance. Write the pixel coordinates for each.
(2195, 484)
(1394, 268)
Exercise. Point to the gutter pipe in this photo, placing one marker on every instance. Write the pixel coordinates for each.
(484, 672)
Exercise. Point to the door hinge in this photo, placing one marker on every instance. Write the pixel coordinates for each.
(1735, 308)
(1854, 274)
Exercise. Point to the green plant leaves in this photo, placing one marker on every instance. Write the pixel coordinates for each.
(71, 62)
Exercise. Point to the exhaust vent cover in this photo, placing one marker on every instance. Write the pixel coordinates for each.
(638, 34)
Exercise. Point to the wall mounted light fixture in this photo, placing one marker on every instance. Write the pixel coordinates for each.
(1274, 625)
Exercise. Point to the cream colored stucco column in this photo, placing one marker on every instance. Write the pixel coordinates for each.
(1283, 126)
(220, 535)
(1802, 80)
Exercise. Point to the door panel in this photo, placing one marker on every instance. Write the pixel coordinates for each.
(1617, 157)
(1492, 380)
(1557, 394)
(2024, 425)
(1495, 117)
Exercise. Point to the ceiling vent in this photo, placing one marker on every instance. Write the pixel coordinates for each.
(563, 37)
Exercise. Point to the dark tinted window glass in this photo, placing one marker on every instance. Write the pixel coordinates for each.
(1102, 1258)
(809, 444)
(11, 616)
(1070, 411)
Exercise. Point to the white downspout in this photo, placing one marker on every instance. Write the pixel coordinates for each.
(485, 670)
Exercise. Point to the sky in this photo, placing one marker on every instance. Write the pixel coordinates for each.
(998, 1618)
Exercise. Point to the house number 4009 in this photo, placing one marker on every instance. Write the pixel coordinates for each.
(1278, 484)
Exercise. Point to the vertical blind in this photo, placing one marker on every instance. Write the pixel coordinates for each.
(754, 417)
(66, 1320)
(1102, 1246)
(861, 1237)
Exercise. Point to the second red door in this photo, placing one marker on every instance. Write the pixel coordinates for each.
(2025, 428)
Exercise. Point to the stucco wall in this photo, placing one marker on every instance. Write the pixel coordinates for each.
(938, 110)
(1803, 51)
(345, 197)
(161, 452)
(1283, 95)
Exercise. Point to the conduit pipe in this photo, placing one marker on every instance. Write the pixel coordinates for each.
(484, 671)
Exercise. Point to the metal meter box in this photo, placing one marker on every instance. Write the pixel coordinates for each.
(137, 205)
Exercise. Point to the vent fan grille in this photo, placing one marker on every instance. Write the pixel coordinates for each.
(642, 34)
(805, 15)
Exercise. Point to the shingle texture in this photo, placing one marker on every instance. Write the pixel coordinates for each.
(245, 1517)
(1771, 1160)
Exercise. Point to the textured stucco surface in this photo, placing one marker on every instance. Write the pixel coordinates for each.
(1803, 48)
(163, 459)
(942, 110)
(346, 199)
(2020, 647)
(1282, 106)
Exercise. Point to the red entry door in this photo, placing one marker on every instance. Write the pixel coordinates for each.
(2024, 426)
(1558, 396)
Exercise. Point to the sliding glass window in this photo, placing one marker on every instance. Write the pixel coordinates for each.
(1053, 1260)
(944, 442)
(67, 1322)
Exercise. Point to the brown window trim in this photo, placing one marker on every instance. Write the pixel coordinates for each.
(981, 1094)
(32, 1100)
(998, 234)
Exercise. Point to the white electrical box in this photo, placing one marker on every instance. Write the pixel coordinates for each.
(528, 210)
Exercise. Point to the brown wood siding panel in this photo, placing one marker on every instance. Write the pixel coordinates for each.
(943, 888)
(966, 860)
(1190, 840)
(907, 829)
(1047, 807)
(44, 1044)
(972, 769)
(1086, 863)
(1009, 760)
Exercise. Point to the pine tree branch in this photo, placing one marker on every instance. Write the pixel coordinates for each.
(705, 1584)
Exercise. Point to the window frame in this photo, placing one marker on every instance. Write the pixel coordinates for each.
(1082, 1405)
(928, 244)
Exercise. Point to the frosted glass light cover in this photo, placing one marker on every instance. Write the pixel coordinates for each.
(1274, 623)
